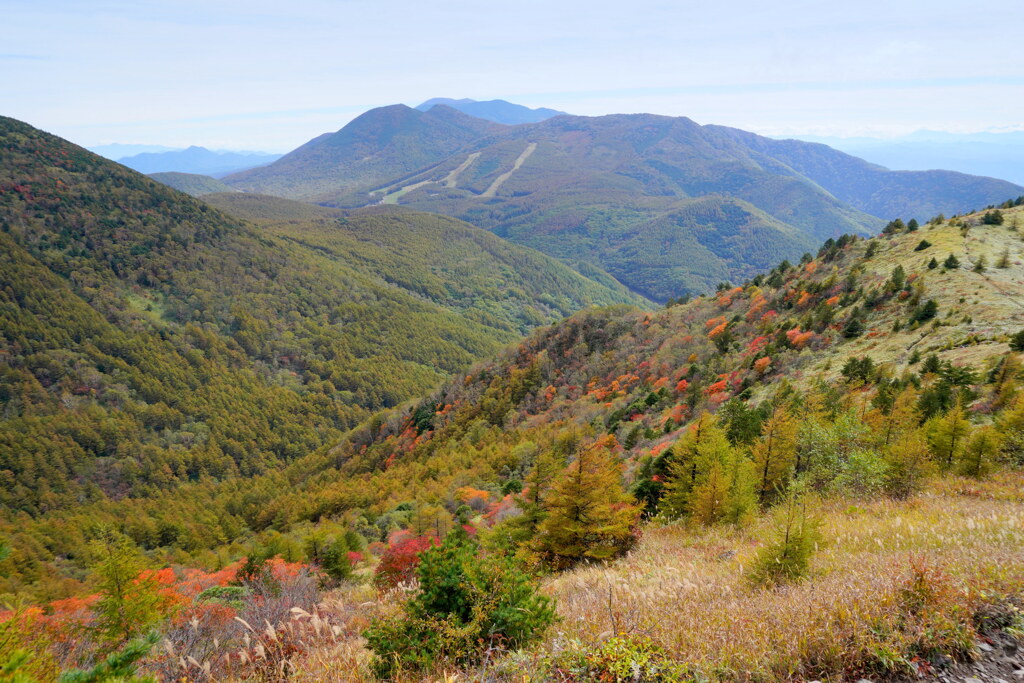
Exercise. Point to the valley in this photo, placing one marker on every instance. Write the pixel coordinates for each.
(664, 205)
(266, 410)
(683, 343)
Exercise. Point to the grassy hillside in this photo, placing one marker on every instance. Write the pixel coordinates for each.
(625, 369)
(149, 340)
(191, 183)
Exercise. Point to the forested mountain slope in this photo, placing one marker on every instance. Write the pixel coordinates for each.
(954, 291)
(384, 143)
(463, 268)
(663, 204)
(149, 340)
(191, 183)
(931, 308)
(875, 189)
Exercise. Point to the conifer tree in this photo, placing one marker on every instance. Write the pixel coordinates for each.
(787, 557)
(546, 468)
(980, 452)
(129, 604)
(775, 453)
(1011, 431)
(589, 514)
(813, 423)
(901, 418)
(1005, 378)
(724, 489)
(947, 435)
(683, 469)
(909, 462)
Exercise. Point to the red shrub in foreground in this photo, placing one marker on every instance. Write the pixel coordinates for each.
(400, 561)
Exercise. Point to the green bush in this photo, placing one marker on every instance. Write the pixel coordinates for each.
(924, 312)
(864, 474)
(622, 658)
(992, 218)
(787, 557)
(466, 606)
(118, 667)
(232, 596)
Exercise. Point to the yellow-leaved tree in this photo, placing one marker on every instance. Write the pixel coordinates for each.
(589, 514)
(683, 468)
(714, 481)
(775, 453)
(724, 490)
(947, 435)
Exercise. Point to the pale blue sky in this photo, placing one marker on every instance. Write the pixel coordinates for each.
(271, 75)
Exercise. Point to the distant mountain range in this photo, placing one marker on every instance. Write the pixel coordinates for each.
(998, 155)
(197, 160)
(663, 204)
(119, 150)
(498, 111)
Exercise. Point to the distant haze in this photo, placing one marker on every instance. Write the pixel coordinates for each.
(197, 160)
(997, 155)
(268, 76)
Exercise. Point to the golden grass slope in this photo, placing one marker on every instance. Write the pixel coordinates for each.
(683, 591)
(977, 310)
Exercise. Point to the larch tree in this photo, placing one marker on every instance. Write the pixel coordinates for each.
(903, 416)
(909, 461)
(129, 602)
(775, 453)
(589, 514)
(724, 488)
(815, 421)
(683, 468)
(1011, 430)
(980, 452)
(538, 486)
(948, 434)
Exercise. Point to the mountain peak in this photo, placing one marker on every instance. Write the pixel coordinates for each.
(443, 100)
(499, 111)
(377, 145)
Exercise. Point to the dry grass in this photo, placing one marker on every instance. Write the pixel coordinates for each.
(976, 310)
(891, 579)
(684, 590)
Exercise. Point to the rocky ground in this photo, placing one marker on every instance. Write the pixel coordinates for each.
(1000, 660)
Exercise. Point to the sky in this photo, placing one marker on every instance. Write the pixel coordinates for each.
(269, 76)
